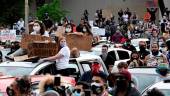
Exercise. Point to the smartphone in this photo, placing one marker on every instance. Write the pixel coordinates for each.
(57, 81)
(87, 92)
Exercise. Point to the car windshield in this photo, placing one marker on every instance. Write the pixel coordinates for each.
(140, 80)
(15, 71)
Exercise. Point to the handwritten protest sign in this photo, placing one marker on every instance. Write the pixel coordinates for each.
(82, 42)
(27, 39)
(41, 49)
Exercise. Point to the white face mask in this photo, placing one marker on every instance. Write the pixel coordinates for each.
(68, 29)
(36, 28)
(84, 30)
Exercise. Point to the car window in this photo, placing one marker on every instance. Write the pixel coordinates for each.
(140, 80)
(15, 71)
(123, 54)
(112, 55)
(49, 69)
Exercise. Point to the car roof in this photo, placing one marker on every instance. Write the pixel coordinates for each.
(87, 56)
(143, 70)
(161, 85)
(18, 64)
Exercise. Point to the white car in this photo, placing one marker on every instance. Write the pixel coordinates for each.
(143, 77)
(163, 86)
(77, 65)
(117, 53)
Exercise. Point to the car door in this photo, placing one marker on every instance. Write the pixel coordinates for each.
(48, 69)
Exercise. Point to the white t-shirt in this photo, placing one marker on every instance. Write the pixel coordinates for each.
(63, 62)
(45, 33)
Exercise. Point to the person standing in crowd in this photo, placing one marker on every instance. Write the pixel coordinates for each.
(108, 30)
(86, 14)
(166, 12)
(155, 57)
(99, 85)
(47, 22)
(61, 58)
(20, 24)
(152, 12)
(79, 28)
(168, 47)
(143, 52)
(135, 60)
(123, 85)
(154, 36)
(129, 46)
(86, 30)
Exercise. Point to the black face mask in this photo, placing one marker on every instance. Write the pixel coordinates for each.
(97, 89)
(121, 83)
(155, 53)
(142, 48)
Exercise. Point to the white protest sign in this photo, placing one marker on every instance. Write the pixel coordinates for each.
(98, 31)
(8, 35)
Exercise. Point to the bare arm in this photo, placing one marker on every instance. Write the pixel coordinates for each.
(52, 58)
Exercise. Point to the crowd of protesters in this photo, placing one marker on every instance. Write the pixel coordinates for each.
(96, 82)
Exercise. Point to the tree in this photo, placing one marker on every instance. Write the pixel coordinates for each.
(11, 11)
(53, 9)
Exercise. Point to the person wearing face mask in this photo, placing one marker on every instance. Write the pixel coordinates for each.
(123, 85)
(38, 29)
(61, 58)
(155, 57)
(143, 52)
(99, 85)
(68, 28)
(135, 60)
(86, 30)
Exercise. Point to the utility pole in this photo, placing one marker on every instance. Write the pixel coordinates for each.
(26, 17)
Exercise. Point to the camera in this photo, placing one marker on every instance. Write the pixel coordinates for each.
(10, 91)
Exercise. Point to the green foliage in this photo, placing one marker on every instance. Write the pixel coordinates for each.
(11, 11)
(53, 9)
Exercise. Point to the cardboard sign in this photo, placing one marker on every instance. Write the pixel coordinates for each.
(82, 42)
(60, 31)
(27, 39)
(42, 49)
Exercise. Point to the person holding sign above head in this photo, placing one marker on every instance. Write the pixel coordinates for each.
(61, 58)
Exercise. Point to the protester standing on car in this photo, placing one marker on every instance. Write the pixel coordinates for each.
(61, 58)
(155, 57)
(123, 85)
